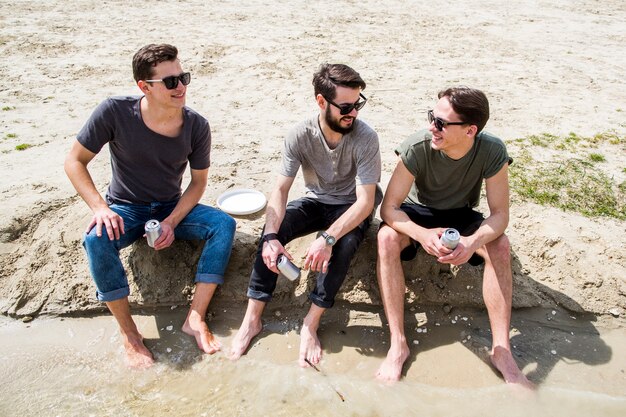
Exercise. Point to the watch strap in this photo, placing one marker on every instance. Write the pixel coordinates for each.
(330, 240)
(270, 236)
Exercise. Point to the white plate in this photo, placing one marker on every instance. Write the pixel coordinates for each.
(241, 201)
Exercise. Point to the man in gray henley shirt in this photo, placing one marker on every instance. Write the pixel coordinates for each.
(340, 161)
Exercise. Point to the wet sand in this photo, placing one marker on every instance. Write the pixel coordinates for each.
(59, 366)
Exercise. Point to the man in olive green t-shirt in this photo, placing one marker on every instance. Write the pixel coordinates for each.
(436, 185)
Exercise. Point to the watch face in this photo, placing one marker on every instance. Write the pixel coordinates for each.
(330, 240)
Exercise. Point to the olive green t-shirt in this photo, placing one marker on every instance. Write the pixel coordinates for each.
(444, 183)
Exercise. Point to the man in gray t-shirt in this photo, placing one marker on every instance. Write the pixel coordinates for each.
(152, 139)
(436, 185)
(340, 160)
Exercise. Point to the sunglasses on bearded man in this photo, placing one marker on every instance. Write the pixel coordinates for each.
(347, 108)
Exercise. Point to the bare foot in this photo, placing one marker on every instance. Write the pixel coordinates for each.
(244, 336)
(137, 354)
(197, 327)
(391, 368)
(503, 360)
(310, 347)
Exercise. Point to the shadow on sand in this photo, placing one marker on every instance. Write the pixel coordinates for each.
(448, 302)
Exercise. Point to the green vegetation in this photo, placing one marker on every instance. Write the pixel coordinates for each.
(596, 157)
(7, 108)
(10, 136)
(22, 146)
(572, 142)
(569, 180)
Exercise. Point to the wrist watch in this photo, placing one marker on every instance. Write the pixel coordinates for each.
(330, 240)
(269, 236)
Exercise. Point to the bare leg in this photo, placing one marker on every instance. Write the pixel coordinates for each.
(391, 283)
(137, 354)
(497, 293)
(195, 325)
(250, 327)
(310, 347)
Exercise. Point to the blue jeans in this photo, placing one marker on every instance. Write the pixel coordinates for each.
(201, 223)
(304, 216)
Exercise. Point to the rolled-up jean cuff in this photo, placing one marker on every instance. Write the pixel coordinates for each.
(113, 295)
(321, 303)
(210, 279)
(260, 296)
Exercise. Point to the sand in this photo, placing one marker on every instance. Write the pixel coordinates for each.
(554, 67)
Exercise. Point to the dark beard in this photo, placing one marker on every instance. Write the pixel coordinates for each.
(333, 125)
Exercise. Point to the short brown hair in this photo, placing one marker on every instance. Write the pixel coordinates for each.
(329, 76)
(470, 104)
(149, 56)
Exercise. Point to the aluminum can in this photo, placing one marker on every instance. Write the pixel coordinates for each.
(153, 231)
(450, 238)
(287, 268)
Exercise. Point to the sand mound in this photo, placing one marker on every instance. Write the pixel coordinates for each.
(555, 68)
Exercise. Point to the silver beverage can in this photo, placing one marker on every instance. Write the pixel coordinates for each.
(153, 231)
(287, 268)
(450, 238)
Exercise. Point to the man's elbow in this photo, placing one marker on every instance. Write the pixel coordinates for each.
(69, 166)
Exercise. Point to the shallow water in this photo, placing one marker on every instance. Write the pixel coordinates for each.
(74, 367)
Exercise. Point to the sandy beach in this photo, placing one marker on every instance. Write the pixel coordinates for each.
(547, 67)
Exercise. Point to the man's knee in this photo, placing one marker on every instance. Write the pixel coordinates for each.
(220, 225)
(499, 250)
(93, 243)
(390, 242)
(349, 243)
(228, 225)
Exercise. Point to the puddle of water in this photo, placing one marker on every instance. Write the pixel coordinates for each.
(67, 367)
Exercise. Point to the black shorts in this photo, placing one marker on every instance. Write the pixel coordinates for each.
(465, 220)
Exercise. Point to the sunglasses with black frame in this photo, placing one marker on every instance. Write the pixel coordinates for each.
(440, 123)
(347, 108)
(171, 82)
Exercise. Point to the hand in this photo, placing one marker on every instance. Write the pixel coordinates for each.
(167, 236)
(318, 256)
(430, 241)
(271, 251)
(112, 221)
(459, 255)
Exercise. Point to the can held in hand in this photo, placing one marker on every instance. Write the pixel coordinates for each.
(287, 268)
(450, 238)
(153, 231)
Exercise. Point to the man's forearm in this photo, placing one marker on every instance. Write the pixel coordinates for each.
(83, 183)
(187, 202)
(275, 212)
(400, 222)
(492, 228)
(354, 216)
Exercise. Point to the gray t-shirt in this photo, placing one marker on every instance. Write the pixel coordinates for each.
(331, 175)
(146, 166)
(444, 183)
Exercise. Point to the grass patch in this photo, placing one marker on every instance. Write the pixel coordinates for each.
(7, 108)
(22, 146)
(596, 157)
(10, 136)
(570, 182)
(572, 142)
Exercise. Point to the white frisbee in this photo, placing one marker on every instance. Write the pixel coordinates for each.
(242, 201)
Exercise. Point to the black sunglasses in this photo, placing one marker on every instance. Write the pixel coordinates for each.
(347, 108)
(440, 123)
(171, 82)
